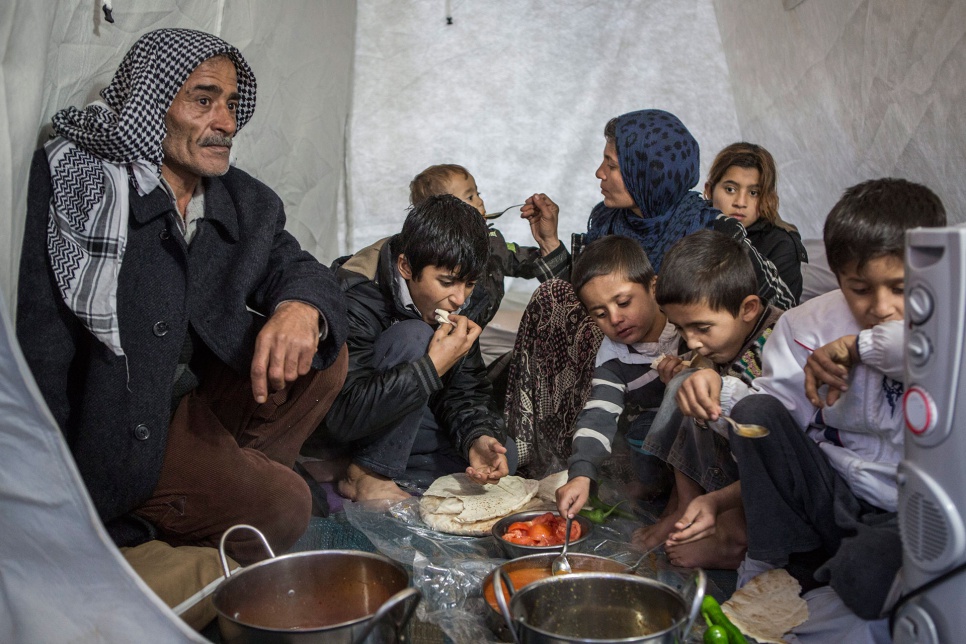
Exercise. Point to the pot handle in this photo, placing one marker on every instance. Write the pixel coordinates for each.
(700, 585)
(499, 579)
(408, 596)
(221, 545)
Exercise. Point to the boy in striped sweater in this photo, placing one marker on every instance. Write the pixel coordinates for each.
(616, 283)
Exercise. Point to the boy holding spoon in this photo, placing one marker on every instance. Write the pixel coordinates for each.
(709, 292)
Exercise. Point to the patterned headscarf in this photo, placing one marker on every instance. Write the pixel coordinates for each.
(110, 146)
(659, 162)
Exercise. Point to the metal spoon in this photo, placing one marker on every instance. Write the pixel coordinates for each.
(560, 565)
(494, 215)
(748, 431)
(633, 566)
(637, 563)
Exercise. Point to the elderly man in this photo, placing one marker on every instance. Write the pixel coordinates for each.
(184, 342)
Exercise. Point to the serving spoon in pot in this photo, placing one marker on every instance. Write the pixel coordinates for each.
(560, 565)
(494, 215)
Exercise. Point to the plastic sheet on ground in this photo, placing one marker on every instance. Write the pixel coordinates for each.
(449, 570)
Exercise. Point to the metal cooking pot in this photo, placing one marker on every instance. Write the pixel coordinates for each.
(330, 596)
(580, 563)
(598, 607)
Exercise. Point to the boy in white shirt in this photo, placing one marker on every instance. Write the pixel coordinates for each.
(820, 491)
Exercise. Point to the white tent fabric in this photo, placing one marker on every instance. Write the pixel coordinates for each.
(61, 577)
(841, 91)
(519, 93)
(516, 90)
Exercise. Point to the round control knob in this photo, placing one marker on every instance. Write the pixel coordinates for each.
(919, 305)
(920, 410)
(918, 348)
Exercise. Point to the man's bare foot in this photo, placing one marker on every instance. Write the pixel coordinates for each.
(360, 484)
(650, 536)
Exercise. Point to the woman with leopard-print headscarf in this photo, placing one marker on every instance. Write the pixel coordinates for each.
(651, 162)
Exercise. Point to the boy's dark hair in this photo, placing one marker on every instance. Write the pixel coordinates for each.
(612, 254)
(871, 219)
(433, 180)
(447, 232)
(707, 266)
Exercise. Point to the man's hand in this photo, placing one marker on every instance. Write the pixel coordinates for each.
(452, 341)
(700, 395)
(572, 496)
(542, 213)
(487, 460)
(830, 365)
(284, 348)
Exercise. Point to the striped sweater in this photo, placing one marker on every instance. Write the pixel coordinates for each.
(623, 376)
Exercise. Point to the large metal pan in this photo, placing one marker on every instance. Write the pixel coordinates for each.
(525, 570)
(330, 596)
(597, 608)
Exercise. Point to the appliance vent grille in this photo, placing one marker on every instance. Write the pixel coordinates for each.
(926, 532)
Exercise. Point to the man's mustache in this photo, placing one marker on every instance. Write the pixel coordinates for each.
(216, 140)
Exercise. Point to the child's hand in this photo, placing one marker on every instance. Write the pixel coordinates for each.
(700, 395)
(669, 367)
(542, 214)
(698, 521)
(451, 342)
(487, 460)
(572, 496)
(830, 365)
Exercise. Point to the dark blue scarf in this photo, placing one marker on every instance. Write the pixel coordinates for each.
(659, 162)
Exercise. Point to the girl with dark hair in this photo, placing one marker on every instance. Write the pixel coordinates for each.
(742, 184)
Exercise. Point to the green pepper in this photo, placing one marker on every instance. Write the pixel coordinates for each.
(605, 510)
(596, 515)
(714, 616)
(716, 635)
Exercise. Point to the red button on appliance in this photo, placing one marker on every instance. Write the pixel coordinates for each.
(919, 410)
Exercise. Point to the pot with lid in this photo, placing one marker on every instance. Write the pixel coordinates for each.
(597, 608)
(330, 596)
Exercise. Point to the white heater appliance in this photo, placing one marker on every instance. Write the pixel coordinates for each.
(932, 478)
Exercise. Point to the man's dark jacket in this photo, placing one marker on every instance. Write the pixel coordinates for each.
(114, 412)
(370, 401)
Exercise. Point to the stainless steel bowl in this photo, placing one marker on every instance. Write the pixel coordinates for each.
(513, 550)
(580, 562)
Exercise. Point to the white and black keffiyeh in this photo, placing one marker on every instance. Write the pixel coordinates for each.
(106, 148)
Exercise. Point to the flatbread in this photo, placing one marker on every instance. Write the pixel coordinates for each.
(547, 490)
(446, 522)
(660, 358)
(457, 505)
(768, 606)
(442, 316)
(697, 361)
